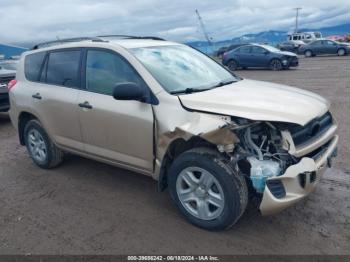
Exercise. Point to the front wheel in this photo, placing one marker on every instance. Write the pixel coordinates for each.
(341, 52)
(308, 53)
(232, 65)
(276, 65)
(207, 190)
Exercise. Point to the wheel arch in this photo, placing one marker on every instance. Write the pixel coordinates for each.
(275, 58)
(342, 48)
(23, 118)
(233, 59)
(309, 50)
(176, 148)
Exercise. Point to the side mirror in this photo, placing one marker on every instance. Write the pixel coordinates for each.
(266, 52)
(128, 91)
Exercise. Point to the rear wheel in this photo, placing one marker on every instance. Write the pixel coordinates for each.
(232, 65)
(206, 189)
(40, 148)
(341, 52)
(276, 65)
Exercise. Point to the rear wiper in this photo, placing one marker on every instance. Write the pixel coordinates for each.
(189, 91)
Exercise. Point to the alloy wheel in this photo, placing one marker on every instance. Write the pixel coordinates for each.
(37, 145)
(232, 65)
(200, 193)
(341, 52)
(276, 65)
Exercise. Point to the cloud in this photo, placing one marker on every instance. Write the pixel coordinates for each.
(23, 21)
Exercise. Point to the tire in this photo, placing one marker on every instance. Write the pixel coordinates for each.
(225, 187)
(276, 65)
(341, 52)
(308, 53)
(41, 149)
(232, 65)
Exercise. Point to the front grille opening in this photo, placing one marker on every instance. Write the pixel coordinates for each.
(277, 188)
(302, 179)
(313, 177)
(4, 99)
(307, 176)
(312, 130)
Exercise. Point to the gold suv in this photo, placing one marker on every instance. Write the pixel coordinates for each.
(166, 110)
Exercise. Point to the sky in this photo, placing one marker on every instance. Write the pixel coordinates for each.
(31, 21)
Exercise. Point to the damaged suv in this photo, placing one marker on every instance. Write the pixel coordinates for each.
(167, 111)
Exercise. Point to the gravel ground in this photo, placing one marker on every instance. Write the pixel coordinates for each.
(85, 207)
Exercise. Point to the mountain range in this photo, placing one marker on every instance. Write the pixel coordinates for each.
(272, 37)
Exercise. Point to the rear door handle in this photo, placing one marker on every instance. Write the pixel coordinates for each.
(85, 105)
(37, 96)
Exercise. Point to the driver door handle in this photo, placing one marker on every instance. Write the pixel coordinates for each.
(86, 104)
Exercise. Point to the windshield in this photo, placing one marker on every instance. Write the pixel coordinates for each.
(182, 69)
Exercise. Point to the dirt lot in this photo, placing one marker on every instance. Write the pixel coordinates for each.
(84, 207)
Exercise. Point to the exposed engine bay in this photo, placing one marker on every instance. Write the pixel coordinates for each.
(260, 152)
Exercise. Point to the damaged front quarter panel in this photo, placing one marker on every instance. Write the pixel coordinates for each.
(213, 129)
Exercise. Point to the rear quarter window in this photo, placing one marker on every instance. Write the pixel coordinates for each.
(32, 65)
(63, 68)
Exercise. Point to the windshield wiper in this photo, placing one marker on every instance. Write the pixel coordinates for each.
(189, 91)
(223, 83)
(194, 90)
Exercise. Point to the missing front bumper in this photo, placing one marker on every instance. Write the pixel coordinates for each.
(297, 182)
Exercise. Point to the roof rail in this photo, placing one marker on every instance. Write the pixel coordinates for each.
(95, 39)
(132, 37)
(66, 40)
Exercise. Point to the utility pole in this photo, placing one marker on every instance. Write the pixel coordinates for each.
(203, 28)
(297, 18)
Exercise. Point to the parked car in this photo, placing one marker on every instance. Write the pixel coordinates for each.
(170, 112)
(325, 47)
(6, 76)
(225, 49)
(9, 64)
(291, 46)
(263, 56)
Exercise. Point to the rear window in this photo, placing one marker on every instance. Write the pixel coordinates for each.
(63, 68)
(32, 65)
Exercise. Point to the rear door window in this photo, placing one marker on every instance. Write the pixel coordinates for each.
(32, 65)
(63, 68)
(258, 50)
(244, 49)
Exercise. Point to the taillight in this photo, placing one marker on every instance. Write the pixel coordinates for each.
(11, 84)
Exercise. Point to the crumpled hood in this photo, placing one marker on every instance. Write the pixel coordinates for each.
(257, 100)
